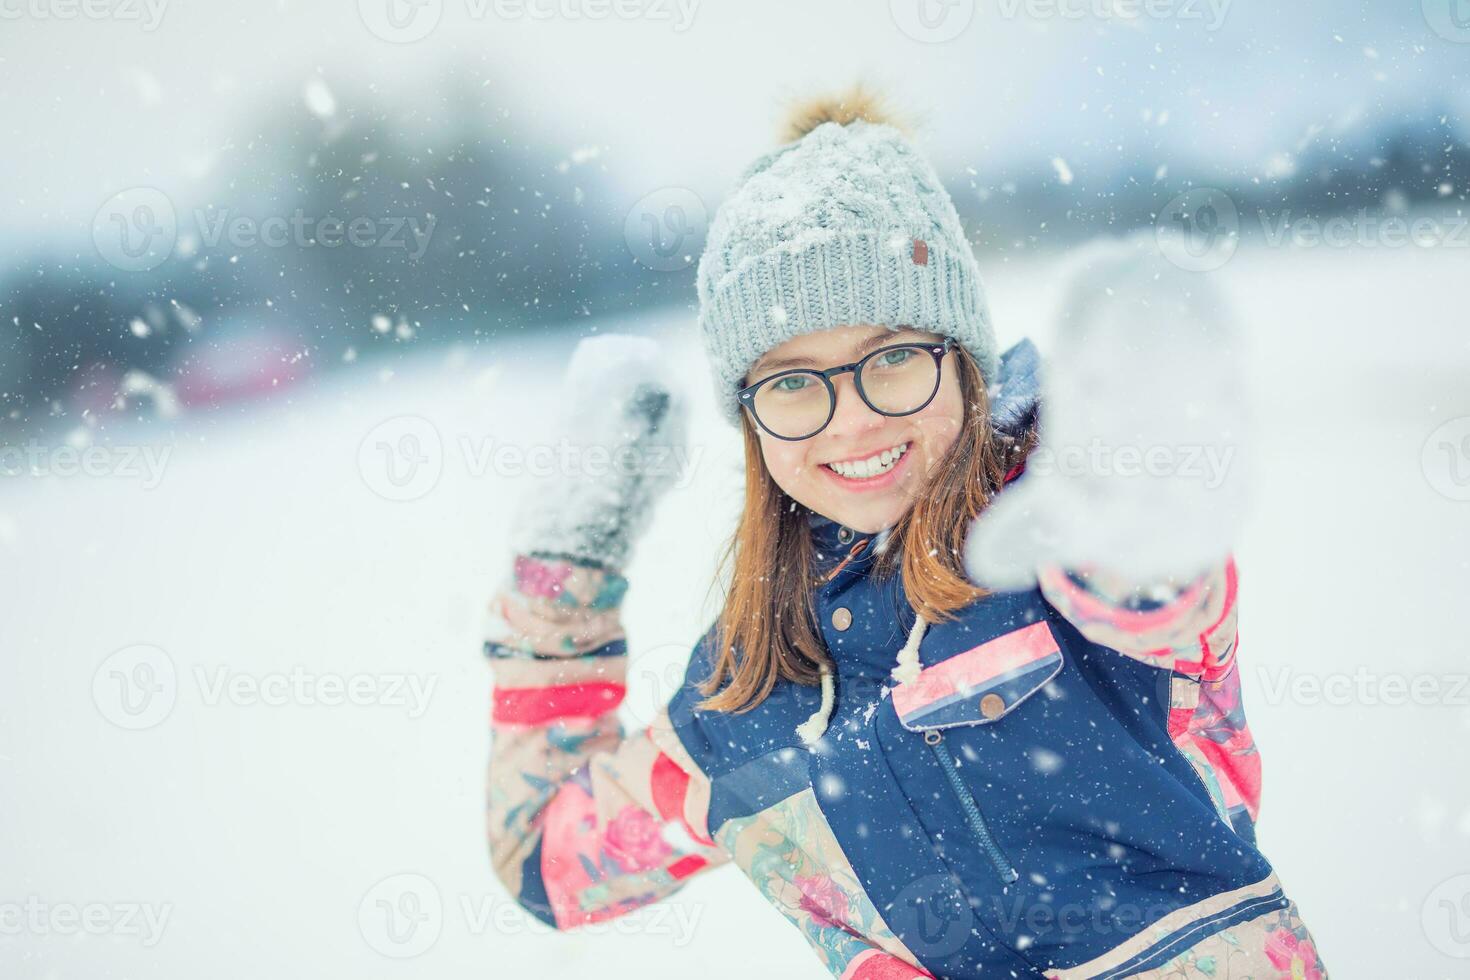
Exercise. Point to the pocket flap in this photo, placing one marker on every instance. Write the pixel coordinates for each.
(982, 684)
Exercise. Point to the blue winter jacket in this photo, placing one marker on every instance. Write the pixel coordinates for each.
(1066, 789)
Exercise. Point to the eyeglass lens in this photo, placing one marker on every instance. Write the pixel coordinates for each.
(896, 381)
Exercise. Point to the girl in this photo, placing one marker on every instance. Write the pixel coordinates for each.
(930, 779)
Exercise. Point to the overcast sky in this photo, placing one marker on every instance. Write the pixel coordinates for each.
(687, 95)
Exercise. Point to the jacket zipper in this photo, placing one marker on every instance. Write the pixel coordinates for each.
(978, 826)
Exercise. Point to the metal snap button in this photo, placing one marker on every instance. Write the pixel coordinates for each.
(841, 618)
(844, 535)
(992, 706)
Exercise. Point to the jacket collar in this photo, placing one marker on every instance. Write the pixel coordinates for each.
(1015, 397)
(834, 542)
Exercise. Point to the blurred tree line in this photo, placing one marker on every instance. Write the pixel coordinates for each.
(515, 232)
(526, 233)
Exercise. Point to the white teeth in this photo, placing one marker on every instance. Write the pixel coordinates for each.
(875, 465)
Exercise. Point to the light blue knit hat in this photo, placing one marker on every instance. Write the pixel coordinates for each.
(846, 225)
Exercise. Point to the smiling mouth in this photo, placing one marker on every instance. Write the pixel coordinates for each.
(871, 466)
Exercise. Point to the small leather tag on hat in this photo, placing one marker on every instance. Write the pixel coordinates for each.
(921, 252)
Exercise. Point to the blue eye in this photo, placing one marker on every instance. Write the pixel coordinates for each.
(893, 358)
(792, 382)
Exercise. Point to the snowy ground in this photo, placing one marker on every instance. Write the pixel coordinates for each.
(265, 832)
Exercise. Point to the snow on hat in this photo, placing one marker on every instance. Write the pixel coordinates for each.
(846, 224)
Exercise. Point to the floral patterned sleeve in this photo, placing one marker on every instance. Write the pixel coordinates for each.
(585, 822)
(1188, 628)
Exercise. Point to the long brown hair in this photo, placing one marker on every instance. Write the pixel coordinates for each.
(767, 628)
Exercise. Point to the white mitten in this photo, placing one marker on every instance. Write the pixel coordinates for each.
(620, 445)
(1139, 468)
(623, 415)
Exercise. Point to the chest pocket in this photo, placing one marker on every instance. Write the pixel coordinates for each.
(982, 684)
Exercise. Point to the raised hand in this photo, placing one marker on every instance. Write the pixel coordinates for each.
(1140, 465)
(621, 427)
(623, 412)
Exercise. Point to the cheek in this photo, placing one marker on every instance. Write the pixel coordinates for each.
(940, 422)
(786, 462)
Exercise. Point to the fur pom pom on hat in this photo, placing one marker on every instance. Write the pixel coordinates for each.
(845, 224)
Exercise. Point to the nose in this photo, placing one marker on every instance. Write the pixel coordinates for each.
(851, 416)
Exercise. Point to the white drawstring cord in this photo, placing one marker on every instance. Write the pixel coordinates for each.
(815, 727)
(908, 658)
(812, 730)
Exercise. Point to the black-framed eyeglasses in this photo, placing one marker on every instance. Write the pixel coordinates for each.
(897, 380)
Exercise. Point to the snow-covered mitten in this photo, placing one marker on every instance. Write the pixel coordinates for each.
(1139, 467)
(620, 440)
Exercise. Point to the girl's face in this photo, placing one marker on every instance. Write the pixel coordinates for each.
(848, 472)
